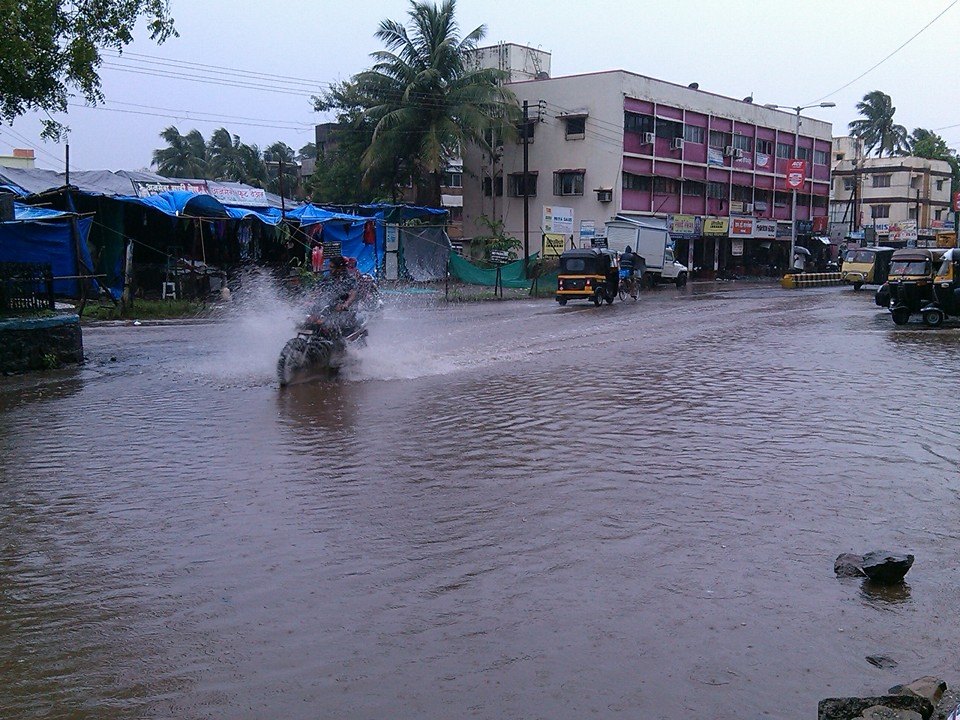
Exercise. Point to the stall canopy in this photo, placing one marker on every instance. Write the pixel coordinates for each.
(37, 235)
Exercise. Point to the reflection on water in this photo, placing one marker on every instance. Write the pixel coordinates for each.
(506, 507)
(880, 594)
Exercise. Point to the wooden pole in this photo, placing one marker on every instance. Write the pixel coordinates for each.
(126, 299)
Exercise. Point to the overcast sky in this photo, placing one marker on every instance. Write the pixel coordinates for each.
(784, 52)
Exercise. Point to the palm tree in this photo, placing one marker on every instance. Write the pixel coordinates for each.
(877, 129)
(424, 99)
(184, 157)
(273, 156)
(222, 154)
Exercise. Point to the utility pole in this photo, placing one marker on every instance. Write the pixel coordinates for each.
(67, 162)
(283, 202)
(526, 194)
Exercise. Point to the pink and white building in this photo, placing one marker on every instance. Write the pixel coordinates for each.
(609, 143)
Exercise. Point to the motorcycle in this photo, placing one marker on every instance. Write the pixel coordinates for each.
(321, 348)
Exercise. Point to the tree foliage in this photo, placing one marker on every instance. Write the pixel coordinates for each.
(928, 144)
(225, 157)
(50, 48)
(422, 101)
(877, 129)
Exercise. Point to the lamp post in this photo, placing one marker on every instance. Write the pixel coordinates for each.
(796, 149)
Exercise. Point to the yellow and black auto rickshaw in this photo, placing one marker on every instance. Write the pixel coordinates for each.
(588, 274)
(910, 285)
(866, 266)
(946, 291)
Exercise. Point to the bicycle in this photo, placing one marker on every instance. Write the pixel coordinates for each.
(629, 286)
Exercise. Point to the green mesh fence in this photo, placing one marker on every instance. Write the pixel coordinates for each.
(511, 274)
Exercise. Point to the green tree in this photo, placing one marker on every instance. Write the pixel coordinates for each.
(272, 157)
(308, 151)
(425, 100)
(877, 129)
(50, 47)
(185, 155)
(928, 144)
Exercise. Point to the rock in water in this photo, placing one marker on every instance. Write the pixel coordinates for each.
(848, 565)
(883, 662)
(851, 708)
(886, 568)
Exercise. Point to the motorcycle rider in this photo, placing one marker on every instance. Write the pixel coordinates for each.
(334, 307)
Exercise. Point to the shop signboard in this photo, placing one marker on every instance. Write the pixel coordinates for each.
(804, 227)
(783, 230)
(904, 231)
(956, 200)
(145, 188)
(714, 156)
(685, 226)
(820, 224)
(736, 248)
(737, 206)
(766, 229)
(588, 231)
(557, 219)
(763, 160)
(741, 227)
(946, 239)
(715, 226)
(554, 244)
(796, 173)
(236, 195)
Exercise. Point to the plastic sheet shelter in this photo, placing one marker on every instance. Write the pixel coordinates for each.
(37, 235)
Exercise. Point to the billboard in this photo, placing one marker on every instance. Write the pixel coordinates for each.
(715, 226)
(554, 244)
(557, 219)
(904, 231)
(237, 195)
(684, 226)
(146, 188)
(796, 173)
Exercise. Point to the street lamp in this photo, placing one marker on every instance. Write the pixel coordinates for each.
(796, 148)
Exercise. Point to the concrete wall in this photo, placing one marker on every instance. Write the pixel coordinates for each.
(39, 343)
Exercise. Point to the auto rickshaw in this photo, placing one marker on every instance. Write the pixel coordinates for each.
(588, 274)
(946, 291)
(866, 266)
(910, 283)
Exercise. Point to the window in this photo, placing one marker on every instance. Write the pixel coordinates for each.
(665, 186)
(915, 182)
(881, 181)
(575, 127)
(938, 214)
(939, 187)
(493, 184)
(716, 190)
(635, 122)
(819, 157)
(515, 184)
(912, 213)
(453, 179)
(784, 150)
(803, 153)
(819, 201)
(719, 139)
(839, 156)
(692, 188)
(742, 193)
(765, 147)
(636, 182)
(879, 211)
(669, 129)
(848, 184)
(568, 182)
(742, 142)
(781, 199)
(693, 134)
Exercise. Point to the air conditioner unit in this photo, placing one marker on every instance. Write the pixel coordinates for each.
(677, 144)
(728, 150)
(604, 195)
(648, 138)
(737, 153)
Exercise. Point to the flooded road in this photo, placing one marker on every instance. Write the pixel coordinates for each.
(506, 510)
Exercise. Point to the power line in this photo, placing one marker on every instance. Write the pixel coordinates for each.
(178, 115)
(10, 131)
(898, 49)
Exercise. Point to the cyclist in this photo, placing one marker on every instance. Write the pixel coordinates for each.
(630, 263)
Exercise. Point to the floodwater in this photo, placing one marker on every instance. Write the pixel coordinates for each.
(505, 510)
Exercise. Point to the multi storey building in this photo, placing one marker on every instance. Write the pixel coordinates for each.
(898, 201)
(711, 167)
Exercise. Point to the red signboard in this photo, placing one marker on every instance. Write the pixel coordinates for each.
(741, 226)
(796, 172)
(956, 200)
(820, 223)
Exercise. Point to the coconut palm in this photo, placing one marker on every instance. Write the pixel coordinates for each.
(877, 129)
(424, 98)
(184, 157)
(273, 156)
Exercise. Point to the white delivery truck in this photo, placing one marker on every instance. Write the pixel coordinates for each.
(649, 238)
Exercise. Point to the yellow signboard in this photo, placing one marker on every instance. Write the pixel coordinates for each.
(715, 226)
(554, 244)
(946, 239)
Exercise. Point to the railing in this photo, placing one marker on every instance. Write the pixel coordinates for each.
(25, 287)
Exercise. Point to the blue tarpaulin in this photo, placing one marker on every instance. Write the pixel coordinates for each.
(48, 241)
(181, 202)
